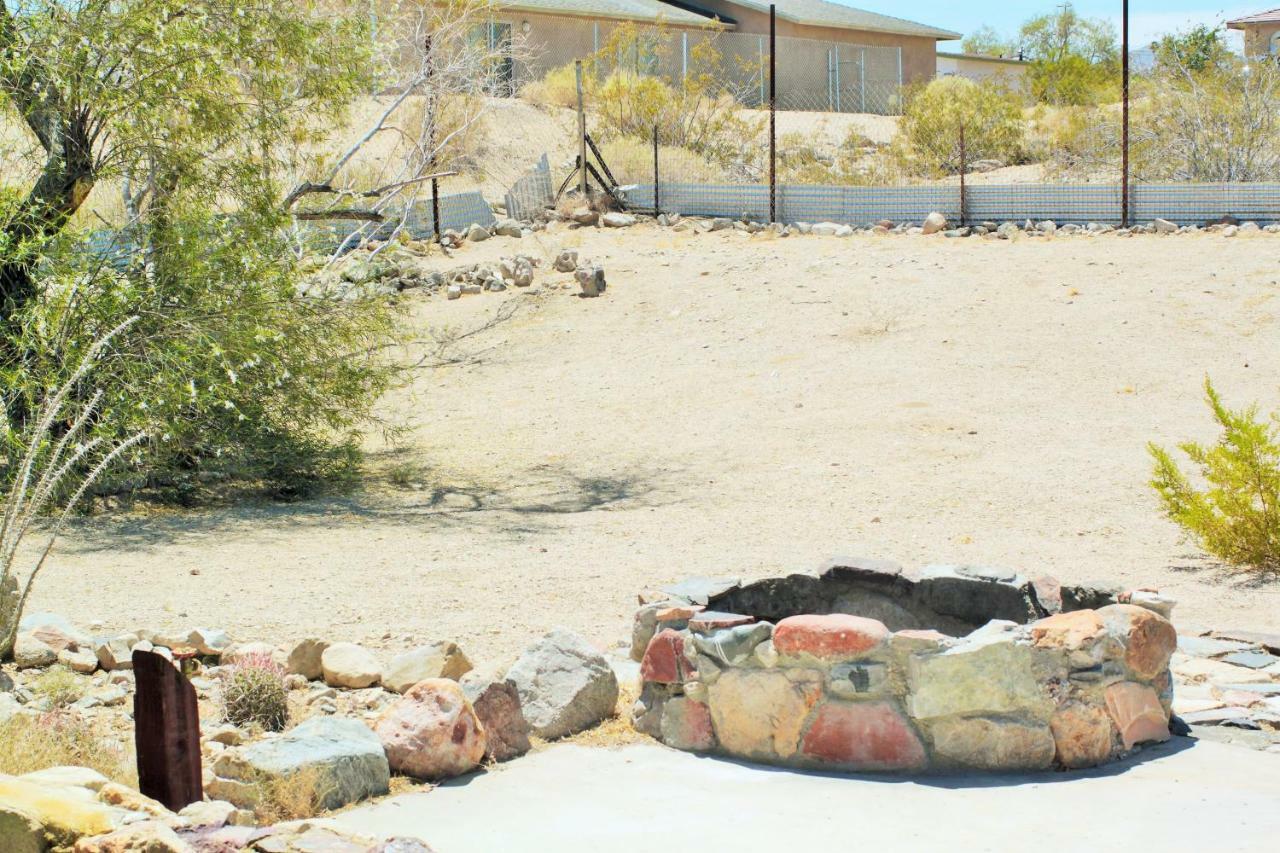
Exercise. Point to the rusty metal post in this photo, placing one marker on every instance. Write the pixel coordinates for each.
(964, 167)
(773, 117)
(1124, 130)
(166, 727)
(657, 204)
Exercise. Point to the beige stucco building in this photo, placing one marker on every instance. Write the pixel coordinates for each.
(1261, 33)
(976, 66)
(829, 56)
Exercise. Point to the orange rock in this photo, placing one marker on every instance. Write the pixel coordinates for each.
(1137, 713)
(679, 613)
(1082, 735)
(1069, 631)
(1148, 637)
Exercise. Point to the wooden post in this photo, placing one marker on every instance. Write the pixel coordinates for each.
(166, 732)
(582, 134)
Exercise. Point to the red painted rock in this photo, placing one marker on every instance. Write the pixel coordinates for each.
(1137, 713)
(837, 635)
(1082, 735)
(686, 724)
(432, 732)
(1148, 637)
(863, 736)
(665, 660)
(1070, 631)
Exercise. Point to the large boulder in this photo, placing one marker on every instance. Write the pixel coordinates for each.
(29, 652)
(349, 665)
(304, 658)
(497, 704)
(55, 631)
(432, 732)
(347, 757)
(565, 685)
(933, 223)
(439, 660)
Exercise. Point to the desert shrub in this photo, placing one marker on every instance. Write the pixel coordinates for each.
(58, 739)
(928, 139)
(1236, 516)
(696, 116)
(557, 88)
(296, 796)
(59, 685)
(1221, 123)
(253, 693)
(1076, 143)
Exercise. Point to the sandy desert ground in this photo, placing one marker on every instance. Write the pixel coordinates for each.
(743, 406)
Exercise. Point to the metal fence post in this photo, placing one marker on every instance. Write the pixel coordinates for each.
(1124, 131)
(836, 51)
(657, 203)
(964, 167)
(582, 133)
(773, 117)
(684, 56)
(862, 80)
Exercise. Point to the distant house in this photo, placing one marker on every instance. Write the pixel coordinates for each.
(977, 66)
(830, 56)
(1261, 33)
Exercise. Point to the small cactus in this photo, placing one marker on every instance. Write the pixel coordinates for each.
(254, 692)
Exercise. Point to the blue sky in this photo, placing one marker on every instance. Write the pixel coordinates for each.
(1148, 18)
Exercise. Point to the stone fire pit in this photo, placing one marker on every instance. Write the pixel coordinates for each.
(865, 667)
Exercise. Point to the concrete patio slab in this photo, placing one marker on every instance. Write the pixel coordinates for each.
(1183, 796)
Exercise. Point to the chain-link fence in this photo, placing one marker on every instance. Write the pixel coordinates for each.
(699, 121)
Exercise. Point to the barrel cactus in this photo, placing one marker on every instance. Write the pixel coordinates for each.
(254, 692)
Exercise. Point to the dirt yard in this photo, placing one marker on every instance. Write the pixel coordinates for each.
(744, 406)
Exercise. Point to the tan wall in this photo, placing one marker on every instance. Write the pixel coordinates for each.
(1258, 39)
(1015, 76)
(557, 40)
(918, 53)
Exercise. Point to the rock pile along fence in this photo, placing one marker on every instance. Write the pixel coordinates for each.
(766, 128)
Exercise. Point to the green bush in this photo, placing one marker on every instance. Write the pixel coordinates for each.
(253, 693)
(1237, 515)
(928, 139)
(231, 374)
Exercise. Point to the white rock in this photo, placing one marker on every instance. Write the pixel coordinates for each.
(350, 665)
(933, 223)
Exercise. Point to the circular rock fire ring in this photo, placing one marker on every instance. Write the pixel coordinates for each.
(865, 667)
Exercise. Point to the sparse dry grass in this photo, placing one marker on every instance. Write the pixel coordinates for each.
(294, 797)
(59, 685)
(56, 739)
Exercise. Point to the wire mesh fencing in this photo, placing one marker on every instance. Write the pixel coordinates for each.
(701, 121)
